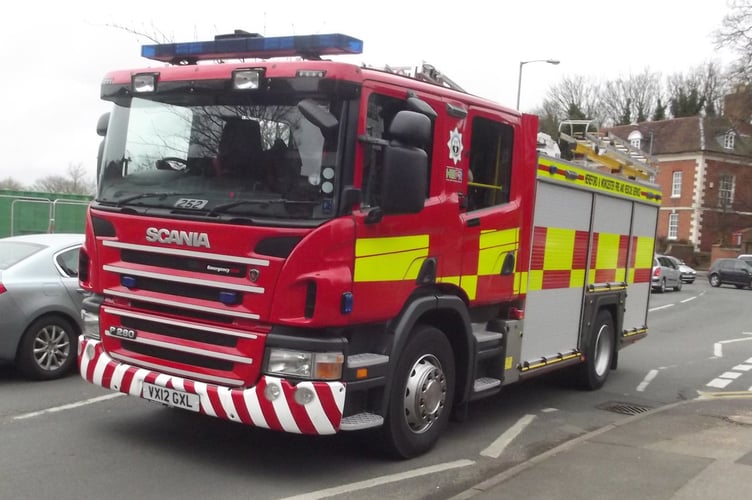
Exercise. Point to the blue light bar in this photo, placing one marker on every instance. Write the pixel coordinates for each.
(247, 45)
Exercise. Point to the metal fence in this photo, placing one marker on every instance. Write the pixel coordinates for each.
(28, 213)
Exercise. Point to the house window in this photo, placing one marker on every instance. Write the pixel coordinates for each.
(726, 190)
(635, 139)
(673, 226)
(728, 140)
(676, 182)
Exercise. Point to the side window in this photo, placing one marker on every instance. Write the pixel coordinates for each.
(68, 262)
(381, 111)
(490, 172)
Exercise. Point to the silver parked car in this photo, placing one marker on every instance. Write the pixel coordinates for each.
(688, 274)
(666, 274)
(40, 303)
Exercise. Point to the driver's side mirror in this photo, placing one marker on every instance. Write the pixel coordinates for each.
(404, 186)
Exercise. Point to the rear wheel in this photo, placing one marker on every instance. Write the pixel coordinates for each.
(599, 353)
(47, 349)
(422, 393)
(714, 280)
(678, 286)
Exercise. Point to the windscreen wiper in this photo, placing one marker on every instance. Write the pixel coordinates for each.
(154, 194)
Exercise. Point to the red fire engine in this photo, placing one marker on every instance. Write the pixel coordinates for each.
(312, 246)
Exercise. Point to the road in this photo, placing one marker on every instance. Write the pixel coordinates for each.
(68, 439)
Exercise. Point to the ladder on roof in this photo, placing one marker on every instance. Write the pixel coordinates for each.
(580, 140)
(426, 73)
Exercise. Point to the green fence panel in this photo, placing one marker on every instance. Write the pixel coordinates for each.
(28, 212)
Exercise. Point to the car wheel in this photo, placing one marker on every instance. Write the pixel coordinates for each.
(678, 286)
(47, 349)
(421, 397)
(662, 287)
(599, 353)
(714, 280)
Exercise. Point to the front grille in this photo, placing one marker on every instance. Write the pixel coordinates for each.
(181, 312)
(206, 337)
(181, 289)
(206, 266)
(178, 357)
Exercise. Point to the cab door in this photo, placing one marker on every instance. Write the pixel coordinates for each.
(490, 217)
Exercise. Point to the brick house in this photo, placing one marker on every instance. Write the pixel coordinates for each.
(705, 173)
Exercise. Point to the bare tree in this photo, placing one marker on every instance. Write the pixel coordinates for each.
(698, 91)
(75, 183)
(735, 33)
(575, 97)
(11, 184)
(631, 99)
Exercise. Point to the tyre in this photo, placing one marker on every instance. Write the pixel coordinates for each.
(47, 349)
(421, 395)
(662, 287)
(599, 353)
(714, 280)
(678, 286)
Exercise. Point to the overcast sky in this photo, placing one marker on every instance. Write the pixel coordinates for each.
(54, 56)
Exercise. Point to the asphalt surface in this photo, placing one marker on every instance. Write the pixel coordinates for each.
(697, 449)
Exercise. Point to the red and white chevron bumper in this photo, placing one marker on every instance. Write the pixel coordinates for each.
(271, 404)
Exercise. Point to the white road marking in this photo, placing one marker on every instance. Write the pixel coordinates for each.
(498, 446)
(743, 368)
(377, 481)
(720, 383)
(730, 375)
(718, 346)
(718, 350)
(549, 410)
(689, 299)
(70, 406)
(648, 378)
(660, 307)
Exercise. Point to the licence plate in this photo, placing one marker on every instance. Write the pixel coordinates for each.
(170, 397)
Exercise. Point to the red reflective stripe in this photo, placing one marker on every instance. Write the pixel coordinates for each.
(299, 414)
(642, 275)
(109, 370)
(125, 386)
(216, 403)
(267, 408)
(555, 279)
(539, 248)
(605, 275)
(581, 240)
(239, 401)
(623, 248)
(329, 404)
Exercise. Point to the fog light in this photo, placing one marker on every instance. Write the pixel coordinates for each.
(90, 351)
(272, 392)
(304, 395)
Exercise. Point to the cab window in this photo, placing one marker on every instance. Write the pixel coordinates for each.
(490, 170)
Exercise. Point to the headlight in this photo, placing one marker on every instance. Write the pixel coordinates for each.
(307, 365)
(91, 324)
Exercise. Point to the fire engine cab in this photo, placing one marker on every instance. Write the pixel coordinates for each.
(313, 246)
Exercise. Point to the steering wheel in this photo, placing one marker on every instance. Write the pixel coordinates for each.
(172, 163)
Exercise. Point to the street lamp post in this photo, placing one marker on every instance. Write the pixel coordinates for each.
(519, 77)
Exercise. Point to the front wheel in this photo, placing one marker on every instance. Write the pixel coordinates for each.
(714, 280)
(421, 395)
(47, 349)
(599, 353)
(678, 286)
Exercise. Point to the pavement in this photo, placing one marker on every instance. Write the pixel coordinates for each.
(696, 449)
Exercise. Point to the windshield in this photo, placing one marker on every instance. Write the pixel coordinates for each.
(262, 160)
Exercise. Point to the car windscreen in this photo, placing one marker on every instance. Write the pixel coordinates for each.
(13, 252)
